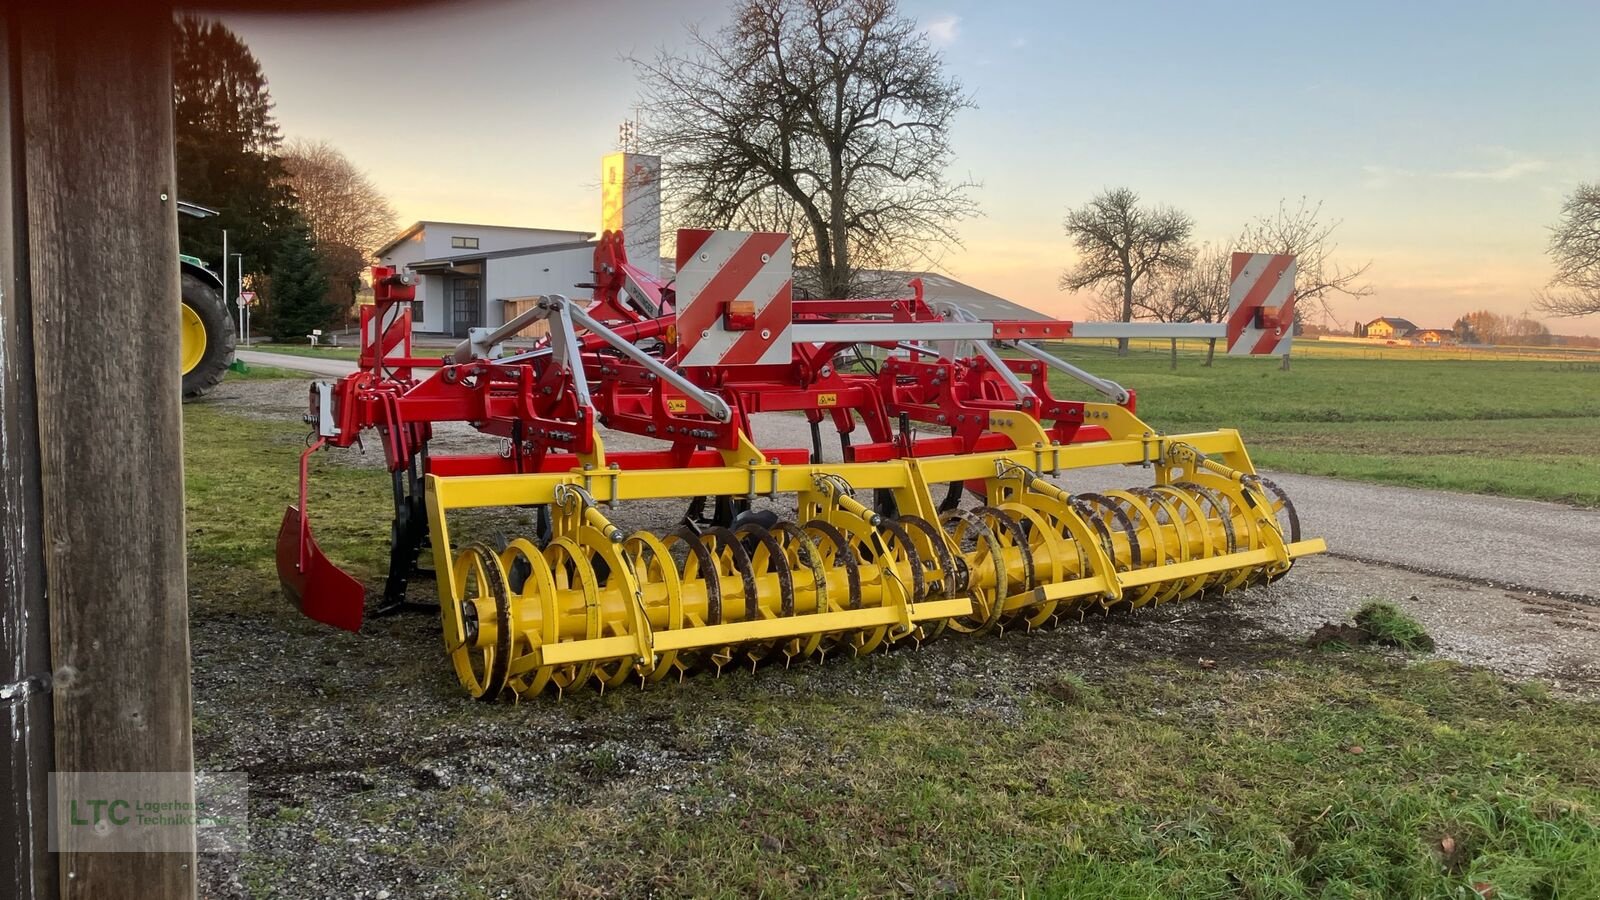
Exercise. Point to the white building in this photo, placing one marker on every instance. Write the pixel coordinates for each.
(469, 271)
(473, 274)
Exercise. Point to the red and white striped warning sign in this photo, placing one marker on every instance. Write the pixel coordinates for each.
(1261, 304)
(733, 297)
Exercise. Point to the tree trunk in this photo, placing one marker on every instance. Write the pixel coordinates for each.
(1127, 314)
(837, 228)
(1174, 354)
(1211, 351)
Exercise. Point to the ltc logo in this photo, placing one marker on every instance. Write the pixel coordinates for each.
(102, 814)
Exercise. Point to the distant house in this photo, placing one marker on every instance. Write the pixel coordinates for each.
(1389, 328)
(1438, 337)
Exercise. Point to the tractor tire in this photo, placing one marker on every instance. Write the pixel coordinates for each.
(207, 337)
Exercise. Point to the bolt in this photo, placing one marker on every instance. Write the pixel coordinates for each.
(766, 333)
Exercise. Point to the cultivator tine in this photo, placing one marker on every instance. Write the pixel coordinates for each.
(322, 591)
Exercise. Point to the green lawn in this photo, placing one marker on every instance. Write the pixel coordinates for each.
(341, 352)
(1518, 427)
(1308, 774)
(971, 768)
(1516, 422)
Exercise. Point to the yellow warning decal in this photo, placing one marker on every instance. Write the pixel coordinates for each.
(677, 404)
(827, 399)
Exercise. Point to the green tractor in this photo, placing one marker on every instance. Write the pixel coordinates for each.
(208, 338)
(207, 326)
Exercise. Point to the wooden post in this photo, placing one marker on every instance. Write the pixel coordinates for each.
(27, 872)
(92, 214)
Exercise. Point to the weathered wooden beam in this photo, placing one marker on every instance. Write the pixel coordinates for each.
(92, 108)
(27, 871)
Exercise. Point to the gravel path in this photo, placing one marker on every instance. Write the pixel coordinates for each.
(311, 365)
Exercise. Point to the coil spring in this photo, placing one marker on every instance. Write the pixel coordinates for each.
(613, 592)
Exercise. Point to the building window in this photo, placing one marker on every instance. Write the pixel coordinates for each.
(464, 243)
(416, 312)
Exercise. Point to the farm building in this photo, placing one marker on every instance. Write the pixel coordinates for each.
(468, 272)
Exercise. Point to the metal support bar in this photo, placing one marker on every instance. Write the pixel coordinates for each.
(916, 348)
(482, 342)
(1154, 330)
(889, 332)
(1112, 391)
(1003, 370)
(706, 400)
(564, 342)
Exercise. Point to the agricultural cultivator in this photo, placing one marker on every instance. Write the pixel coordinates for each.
(948, 514)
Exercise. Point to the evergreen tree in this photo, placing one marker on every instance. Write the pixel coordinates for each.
(225, 144)
(297, 301)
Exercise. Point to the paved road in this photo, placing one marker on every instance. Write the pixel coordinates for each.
(311, 365)
(1542, 546)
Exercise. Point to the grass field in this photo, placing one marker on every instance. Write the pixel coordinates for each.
(1299, 776)
(340, 352)
(1519, 423)
(1500, 425)
(973, 769)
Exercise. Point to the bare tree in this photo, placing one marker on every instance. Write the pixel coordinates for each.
(1487, 327)
(1123, 246)
(830, 113)
(348, 216)
(1575, 249)
(1319, 277)
(1174, 298)
(1199, 293)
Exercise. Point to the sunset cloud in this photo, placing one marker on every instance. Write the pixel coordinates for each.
(943, 29)
(1510, 170)
(1508, 165)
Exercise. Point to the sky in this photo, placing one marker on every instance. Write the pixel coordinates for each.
(1441, 136)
